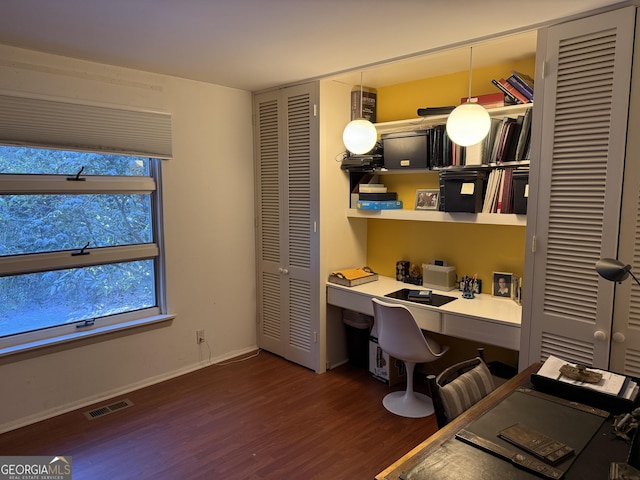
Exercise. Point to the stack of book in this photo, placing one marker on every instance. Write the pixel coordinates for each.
(509, 139)
(499, 195)
(374, 196)
(518, 87)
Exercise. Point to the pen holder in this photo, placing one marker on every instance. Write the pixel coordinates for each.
(468, 294)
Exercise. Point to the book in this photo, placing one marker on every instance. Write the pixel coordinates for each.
(372, 188)
(425, 112)
(419, 296)
(506, 205)
(502, 140)
(520, 87)
(514, 91)
(501, 192)
(378, 196)
(368, 105)
(510, 154)
(488, 100)
(523, 78)
(509, 90)
(351, 277)
(506, 92)
(525, 136)
(379, 204)
(490, 140)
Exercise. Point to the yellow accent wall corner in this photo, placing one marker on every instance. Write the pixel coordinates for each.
(472, 248)
(398, 102)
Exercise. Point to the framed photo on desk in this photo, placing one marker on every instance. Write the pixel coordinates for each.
(502, 284)
(427, 199)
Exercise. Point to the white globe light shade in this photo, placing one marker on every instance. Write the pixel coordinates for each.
(359, 136)
(468, 124)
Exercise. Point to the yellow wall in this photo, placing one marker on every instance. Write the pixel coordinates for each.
(401, 101)
(472, 248)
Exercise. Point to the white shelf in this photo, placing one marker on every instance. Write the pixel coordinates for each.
(438, 216)
(421, 123)
(483, 166)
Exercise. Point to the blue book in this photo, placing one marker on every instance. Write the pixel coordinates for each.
(521, 87)
(379, 204)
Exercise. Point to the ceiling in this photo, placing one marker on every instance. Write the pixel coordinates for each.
(260, 44)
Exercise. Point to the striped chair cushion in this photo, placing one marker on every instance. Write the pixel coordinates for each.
(466, 390)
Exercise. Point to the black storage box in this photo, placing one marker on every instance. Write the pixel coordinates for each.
(462, 191)
(406, 149)
(520, 191)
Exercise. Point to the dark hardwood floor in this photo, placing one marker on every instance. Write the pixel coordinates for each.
(262, 418)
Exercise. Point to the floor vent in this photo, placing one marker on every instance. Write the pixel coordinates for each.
(107, 409)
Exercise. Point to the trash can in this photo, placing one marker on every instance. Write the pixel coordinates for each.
(357, 326)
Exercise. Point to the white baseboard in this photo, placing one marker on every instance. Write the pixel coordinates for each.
(103, 396)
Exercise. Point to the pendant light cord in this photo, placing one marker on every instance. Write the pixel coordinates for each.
(361, 114)
(470, 72)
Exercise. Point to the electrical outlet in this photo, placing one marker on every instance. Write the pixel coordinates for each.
(200, 336)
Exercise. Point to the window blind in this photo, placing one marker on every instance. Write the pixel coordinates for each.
(48, 123)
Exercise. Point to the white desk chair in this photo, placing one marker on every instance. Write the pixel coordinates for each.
(400, 336)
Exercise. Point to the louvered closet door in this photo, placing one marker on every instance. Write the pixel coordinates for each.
(288, 284)
(271, 292)
(301, 207)
(625, 345)
(577, 208)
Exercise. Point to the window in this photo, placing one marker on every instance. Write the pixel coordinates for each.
(80, 231)
(79, 236)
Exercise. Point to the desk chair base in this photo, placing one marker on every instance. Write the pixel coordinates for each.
(408, 404)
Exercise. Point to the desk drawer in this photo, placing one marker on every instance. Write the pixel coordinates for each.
(429, 320)
(350, 300)
(486, 331)
(426, 318)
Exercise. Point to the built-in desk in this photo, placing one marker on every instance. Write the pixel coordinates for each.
(487, 319)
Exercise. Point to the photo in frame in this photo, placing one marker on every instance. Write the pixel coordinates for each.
(516, 287)
(502, 284)
(427, 199)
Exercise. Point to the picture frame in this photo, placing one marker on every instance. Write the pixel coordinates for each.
(502, 283)
(517, 290)
(427, 199)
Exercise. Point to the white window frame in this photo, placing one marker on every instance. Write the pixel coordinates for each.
(51, 123)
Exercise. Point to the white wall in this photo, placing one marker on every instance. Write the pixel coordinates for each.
(209, 237)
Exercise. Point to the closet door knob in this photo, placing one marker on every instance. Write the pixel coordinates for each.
(619, 337)
(599, 335)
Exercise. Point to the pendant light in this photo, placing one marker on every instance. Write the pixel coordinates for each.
(469, 122)
(360, 135)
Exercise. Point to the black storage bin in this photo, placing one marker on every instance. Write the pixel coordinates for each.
(520, 191)
(358, 327)
(462, 190)
(406, 149)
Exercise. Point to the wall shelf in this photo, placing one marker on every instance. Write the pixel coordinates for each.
(421, 123)
(438, 216)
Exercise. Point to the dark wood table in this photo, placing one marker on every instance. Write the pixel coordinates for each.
(420, 452)
(603, 448)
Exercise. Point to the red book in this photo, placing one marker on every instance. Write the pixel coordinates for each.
(488, 100)
(513, 91)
